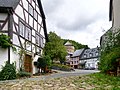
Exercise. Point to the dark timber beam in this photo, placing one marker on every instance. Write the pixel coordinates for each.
(10, 32)
(110, 10)
(43, 19)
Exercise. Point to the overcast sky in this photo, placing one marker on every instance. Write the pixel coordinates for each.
(81, 20)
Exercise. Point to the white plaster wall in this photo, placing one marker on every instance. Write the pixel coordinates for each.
(14, 58)
(116, 13)
(3, 16)
(3, 57)
(35, 69)
(91, 63)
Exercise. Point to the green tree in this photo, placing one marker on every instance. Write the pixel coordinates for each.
(76, 44)
(55, 48)
(44, 63)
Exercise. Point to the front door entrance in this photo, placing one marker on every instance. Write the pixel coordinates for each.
(28, 63)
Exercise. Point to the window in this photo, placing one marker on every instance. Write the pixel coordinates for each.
(30, 9)
(41, 41)
(74, 62)
(71, 62)
(30, 21)
(93, 50)
(35, 14)
(96, 53)
(85, 55)
(21, 29)
(90, 54)
(28, 33)
(37, 39)
(88, 64)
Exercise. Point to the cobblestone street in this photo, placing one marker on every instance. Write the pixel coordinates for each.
(66, 83)
(49, 82)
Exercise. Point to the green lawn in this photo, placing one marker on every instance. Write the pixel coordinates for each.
(98, 81)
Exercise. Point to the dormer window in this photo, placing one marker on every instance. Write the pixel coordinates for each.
(93, 50)
(90, 54)
(85, 55)
(96, 53)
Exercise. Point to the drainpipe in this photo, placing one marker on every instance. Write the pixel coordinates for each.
(10, 31)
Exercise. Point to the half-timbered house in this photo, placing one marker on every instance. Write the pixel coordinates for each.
(24, 22)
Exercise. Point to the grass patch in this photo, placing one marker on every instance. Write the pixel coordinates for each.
(98, 81)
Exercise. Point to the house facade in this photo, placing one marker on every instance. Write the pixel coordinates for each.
(104, 39)
(82, 58)
(24, 22)
(90, 58)
(75, 59)
(114, 16)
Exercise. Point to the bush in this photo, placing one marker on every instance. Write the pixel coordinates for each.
(23, 74)
(108, 60)
(61, 67)
(8, 72)
(44, 62)
(110, 53)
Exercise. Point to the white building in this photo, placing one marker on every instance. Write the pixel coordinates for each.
(24, 22)
(114, 16)
(90, 58)
(114, 13)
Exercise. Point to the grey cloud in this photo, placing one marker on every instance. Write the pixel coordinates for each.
(50, 6)
(84, 18)
(79, 23)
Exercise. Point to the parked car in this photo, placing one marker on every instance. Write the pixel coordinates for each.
(89, 68)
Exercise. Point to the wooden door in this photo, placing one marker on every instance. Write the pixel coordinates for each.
(28, 63)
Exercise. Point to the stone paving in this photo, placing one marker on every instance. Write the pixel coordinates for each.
(49, 82)
(66, 83)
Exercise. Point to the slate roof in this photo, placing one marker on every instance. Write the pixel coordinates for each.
(90, 53)
(9, 3)
(78, 52)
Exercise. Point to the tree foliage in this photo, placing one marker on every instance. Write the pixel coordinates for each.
(55, 48)
(76, 44)
(4, 41)
(44, 62)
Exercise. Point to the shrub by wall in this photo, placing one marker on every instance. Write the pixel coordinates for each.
(4, 41)
(23, 74)
(8, 72)
(61, 67)
(108, 60)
